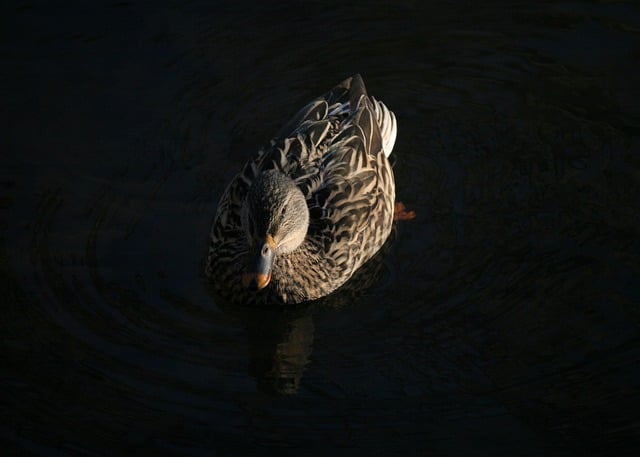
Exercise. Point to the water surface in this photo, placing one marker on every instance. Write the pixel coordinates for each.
(503, 320)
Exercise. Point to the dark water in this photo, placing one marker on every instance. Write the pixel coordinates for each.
(503, 320)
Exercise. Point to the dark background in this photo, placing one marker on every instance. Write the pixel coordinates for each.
(503, 320)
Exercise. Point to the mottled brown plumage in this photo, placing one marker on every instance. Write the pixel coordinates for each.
(332, 156)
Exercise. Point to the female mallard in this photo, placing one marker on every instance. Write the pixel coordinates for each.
(312, 207)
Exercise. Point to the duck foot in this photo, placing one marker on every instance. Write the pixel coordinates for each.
(400, 213)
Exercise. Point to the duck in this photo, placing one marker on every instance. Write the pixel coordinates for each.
(311, 207)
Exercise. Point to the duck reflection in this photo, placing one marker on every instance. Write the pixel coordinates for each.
(280, 344)
(281, 338)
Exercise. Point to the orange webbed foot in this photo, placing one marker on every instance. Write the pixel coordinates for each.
(400, 213)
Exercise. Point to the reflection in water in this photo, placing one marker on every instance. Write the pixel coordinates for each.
(279, 347)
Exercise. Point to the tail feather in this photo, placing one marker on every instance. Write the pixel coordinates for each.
(353, 89)
(357, 90)
(388, 126)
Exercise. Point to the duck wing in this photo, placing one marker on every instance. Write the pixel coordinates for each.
(352, 194)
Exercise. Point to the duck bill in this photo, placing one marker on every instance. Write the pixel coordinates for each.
(259, 274)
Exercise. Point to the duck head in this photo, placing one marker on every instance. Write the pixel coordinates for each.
(275, 217)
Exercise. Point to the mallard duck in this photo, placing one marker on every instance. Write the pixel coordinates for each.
(313, 206)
